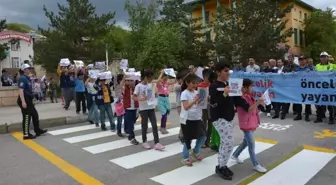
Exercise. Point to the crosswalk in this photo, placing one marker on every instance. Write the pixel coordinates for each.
(303, 165)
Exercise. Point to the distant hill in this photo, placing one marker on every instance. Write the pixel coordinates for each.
(23, 28)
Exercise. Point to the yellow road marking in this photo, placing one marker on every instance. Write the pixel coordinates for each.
(66, 167)
(269, 168)
(318, 149)
(266, 141)
(324, 134)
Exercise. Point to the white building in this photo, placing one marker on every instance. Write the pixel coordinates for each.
(21, 50)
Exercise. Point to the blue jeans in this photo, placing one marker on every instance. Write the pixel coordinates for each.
(93, 113)
(106, 107)
(199, 142)
(119, 122)
(129, 121)
(247, 142)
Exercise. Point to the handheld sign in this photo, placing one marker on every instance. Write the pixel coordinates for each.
(79, 63)
(64, 62)
(93, 74)
(236, 85)
(170, 72)
(123, 64)
(267, 99)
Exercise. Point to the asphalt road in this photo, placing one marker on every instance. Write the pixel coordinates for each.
(296, 153)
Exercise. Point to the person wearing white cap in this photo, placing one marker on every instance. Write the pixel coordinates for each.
(25, 102)
(325, 66)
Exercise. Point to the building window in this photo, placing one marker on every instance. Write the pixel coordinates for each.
(208, 36)
(300, 15)
(15, 62)
(305, 15)
(207, 17)
(14, 46)
(295, 36)
(301, 38)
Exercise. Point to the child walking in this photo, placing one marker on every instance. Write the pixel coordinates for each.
(143, 93)
(178, 91)
(248, 117)
(52, 89)
(191, 122)
(92, 95)
(104, 100)
(80, 92)
(204, 87)
(131, 107)
(118, 94)
(163, 100)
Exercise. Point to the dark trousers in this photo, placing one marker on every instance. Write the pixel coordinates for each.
(207, 125)
(27, 114)
(145, 115)
(89, 100)
(80, 99)
(298, 109)
(129, 121)
(280, 107)
(266, 109)
(321, 110)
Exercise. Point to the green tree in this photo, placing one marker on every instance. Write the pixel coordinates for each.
(117, 41)
(195, 48)
(23, 28)
(75, 33)
(141, 17)
(3, 47)
(253, 28)
(320, 33)
(163, 45)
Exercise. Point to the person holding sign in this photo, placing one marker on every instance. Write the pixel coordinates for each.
(249, 120)
(142, 93)
(163, 99)
(104, 99)
(222, 113)
(191, 122)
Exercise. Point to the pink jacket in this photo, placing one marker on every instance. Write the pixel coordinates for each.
(248, 120)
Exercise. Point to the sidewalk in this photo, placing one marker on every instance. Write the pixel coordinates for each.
(50, 114)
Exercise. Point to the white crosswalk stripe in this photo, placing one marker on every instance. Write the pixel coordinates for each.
(87, 137)
(297, 170)
(96, 149)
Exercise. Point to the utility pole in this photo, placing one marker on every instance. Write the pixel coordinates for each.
(107, 60)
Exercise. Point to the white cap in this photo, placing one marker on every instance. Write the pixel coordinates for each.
(25, 66)
(324, 54)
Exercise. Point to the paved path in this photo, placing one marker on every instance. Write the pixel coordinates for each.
(296, 153)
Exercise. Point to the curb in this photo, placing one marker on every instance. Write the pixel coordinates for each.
(51, 122)
(45, 123)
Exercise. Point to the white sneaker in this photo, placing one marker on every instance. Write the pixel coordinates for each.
(260, 169)
(268, 114)
(237, 160)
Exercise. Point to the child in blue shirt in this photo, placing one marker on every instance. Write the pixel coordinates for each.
(80, 92)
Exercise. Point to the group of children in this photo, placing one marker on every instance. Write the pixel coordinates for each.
(210, 124)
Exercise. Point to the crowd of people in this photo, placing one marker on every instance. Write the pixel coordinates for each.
(210, 125)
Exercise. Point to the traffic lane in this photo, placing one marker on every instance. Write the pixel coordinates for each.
(21, 165)
(301, 132)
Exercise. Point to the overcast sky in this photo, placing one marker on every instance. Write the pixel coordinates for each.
(30, 11)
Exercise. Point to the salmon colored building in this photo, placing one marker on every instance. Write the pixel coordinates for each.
(206, 9)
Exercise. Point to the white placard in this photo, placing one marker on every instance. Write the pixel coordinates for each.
(93, 74)
(170, 72)
(199, 72)
(79, 63)
(131, 70)
(236, 85)
(105, 75)
(90, 66)
(204, 96)
(123, 64)
(267, 99)
(150, 95)
(64, 62)
(296, 60)
(100, 65)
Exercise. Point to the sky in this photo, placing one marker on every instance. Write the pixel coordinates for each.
(30, 11)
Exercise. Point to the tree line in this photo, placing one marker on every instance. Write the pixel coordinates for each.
(164, 33)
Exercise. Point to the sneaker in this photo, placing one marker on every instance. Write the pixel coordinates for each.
(146, 146)
(237, 160)
(134, 142)
(91, 122)
(159, 147)
(260, 169)
(223, 173)
(187, 162)
(97, 124)
(163, 131)
(41, 132)
(268, 114)
(103, 128)
(29, 136)
(214, 148)
(120, 134)
(197, 157)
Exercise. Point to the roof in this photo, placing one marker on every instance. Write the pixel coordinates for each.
(298, 2)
